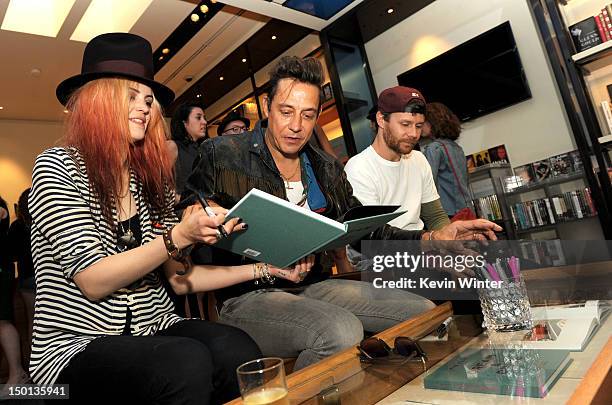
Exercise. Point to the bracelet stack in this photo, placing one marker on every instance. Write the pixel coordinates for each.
(261, 273)
(175, 253)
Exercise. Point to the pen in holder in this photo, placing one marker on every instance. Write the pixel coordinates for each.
(506, 307)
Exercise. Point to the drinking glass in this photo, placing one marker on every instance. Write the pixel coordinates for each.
(262, 382)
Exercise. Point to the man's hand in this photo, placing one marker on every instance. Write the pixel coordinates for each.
(477, 229)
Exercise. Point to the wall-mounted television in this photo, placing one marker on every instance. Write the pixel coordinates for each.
(482, 75)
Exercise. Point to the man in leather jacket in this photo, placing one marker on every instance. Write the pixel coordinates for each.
(311, 316)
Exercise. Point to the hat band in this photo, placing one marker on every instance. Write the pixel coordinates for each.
(127, 67)
(415, 108)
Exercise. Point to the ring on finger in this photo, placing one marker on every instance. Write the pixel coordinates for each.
(218, 235)
(302, 275)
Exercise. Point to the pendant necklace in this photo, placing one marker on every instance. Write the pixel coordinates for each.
(287, 185)
(127, 240)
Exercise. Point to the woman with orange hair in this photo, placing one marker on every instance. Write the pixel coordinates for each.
(105, 241)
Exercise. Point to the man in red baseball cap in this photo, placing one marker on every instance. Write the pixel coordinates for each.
(390, 172)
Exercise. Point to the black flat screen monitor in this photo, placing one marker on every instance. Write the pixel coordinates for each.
(482, 75)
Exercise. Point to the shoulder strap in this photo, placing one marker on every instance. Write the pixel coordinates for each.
(450, 162)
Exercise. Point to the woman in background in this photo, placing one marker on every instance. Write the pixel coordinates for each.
(21, 252)
(188, 130)
(447, 158)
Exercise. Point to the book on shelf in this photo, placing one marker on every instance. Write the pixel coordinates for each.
(585, 34)
(280, 232)
(561, 165)
(542, 169)
(600, 26)
(605, 107)
(576, 161)
(488, 207)
(544, 252)
(515, 372)
(567, 327)
(526, 173)
(605, 19)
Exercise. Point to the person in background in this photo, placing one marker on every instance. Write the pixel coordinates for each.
(372, 118)
(233, 124)
(9, 337)
(390, 172)
(447, 158)
(188, 130)
(21, 252)
(105, 238)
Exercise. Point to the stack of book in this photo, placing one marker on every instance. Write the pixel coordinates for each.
(545, 252)
(574, 204)
(488, 207)
(567, 206)
(592, 31)
(529, 214)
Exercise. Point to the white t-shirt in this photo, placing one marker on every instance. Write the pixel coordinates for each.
(295, 193)
(407, 183)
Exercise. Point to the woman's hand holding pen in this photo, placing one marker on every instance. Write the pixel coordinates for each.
(297, 273)
(198, 226)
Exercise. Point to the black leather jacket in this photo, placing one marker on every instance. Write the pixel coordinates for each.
(230, 166)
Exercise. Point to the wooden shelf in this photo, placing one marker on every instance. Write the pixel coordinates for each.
(547, 227)
(550, 182)
(594, 58)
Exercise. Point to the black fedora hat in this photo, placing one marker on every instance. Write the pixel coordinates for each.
(116, 55)
(232, 116)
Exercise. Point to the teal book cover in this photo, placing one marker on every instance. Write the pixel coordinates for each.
(514, 372)
(280, 233)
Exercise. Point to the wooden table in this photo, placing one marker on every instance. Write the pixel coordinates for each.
(343, 378)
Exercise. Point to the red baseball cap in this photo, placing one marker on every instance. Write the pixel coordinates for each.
(395, 99)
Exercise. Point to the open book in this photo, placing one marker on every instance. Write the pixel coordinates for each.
(568, 327)
(280, 233)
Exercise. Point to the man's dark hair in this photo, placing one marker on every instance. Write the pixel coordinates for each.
(444, 124)
(177, 127)
(303, 70)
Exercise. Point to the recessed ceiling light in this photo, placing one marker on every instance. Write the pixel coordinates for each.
(109, 16)
(220, 77)
(161, 58)
(42, 17)
(204, 8)
(273, 36)
(198, 95)
(390, 11)
(165, 51)
(243, 60)
(1, 108)
(194, 17)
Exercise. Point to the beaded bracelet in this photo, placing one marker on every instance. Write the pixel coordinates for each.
(261, 272)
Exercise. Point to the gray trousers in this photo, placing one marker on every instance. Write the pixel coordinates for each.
(321, 320)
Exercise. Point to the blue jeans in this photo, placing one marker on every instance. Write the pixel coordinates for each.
(321, 320)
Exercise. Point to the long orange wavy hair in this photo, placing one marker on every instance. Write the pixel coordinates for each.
(97, 125)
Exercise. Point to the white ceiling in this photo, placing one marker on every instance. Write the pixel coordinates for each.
(27, 96)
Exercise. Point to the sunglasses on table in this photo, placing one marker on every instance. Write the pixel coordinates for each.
(374, 350)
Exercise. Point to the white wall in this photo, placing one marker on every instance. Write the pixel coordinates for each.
(20, 143)
(531, 130)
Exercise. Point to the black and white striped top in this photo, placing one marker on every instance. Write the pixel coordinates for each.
(69, 234)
